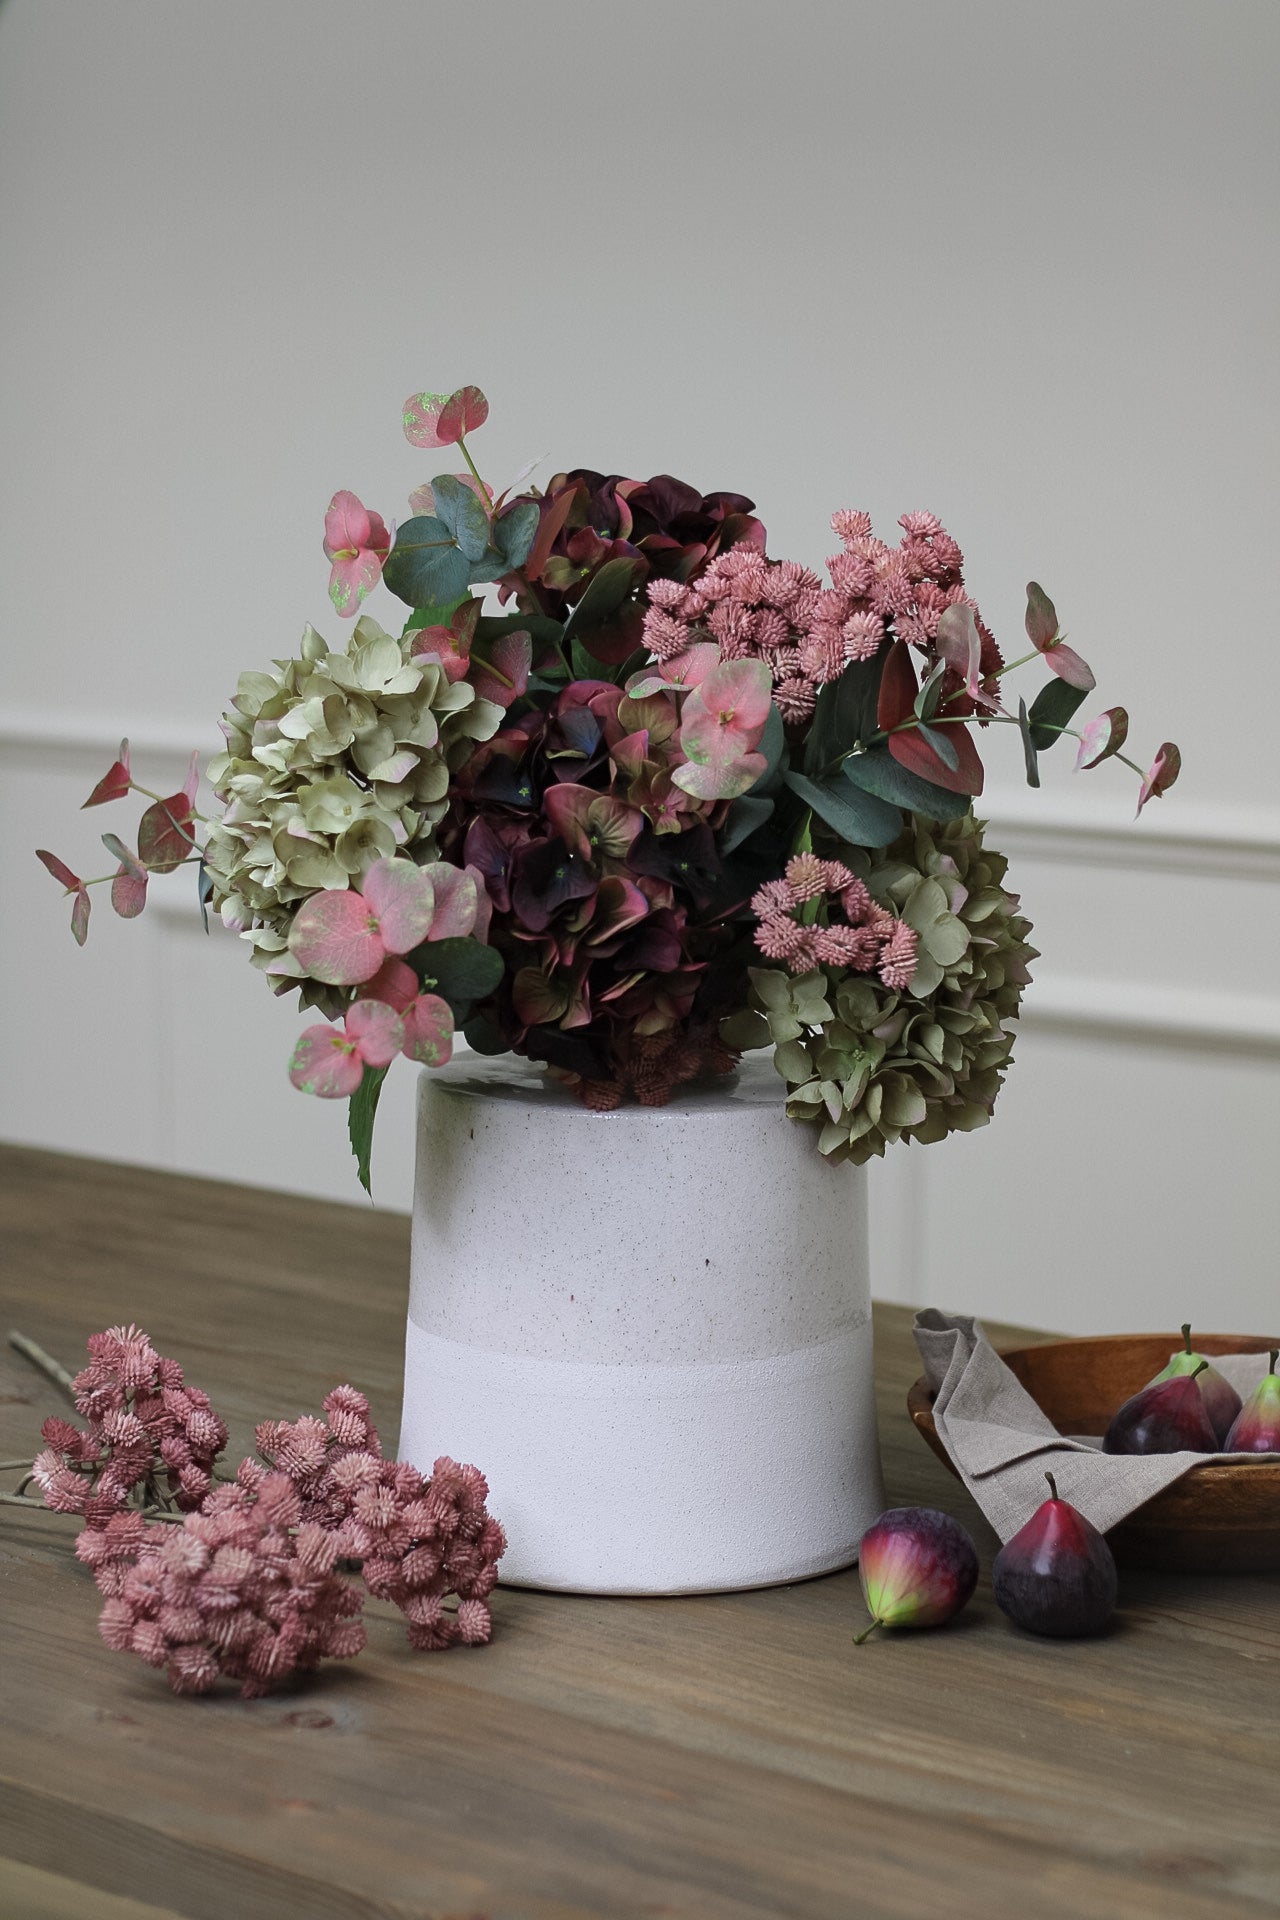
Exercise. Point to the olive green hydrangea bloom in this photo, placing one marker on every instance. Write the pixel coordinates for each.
(867, 1065)
(335, 760)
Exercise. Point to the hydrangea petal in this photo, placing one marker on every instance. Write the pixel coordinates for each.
(377, 1031)
(325, 1062)
(505, 675)
(402, 898)
(336, 938)
(428, 1031)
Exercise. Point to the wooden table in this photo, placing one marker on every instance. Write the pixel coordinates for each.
(708, 1757)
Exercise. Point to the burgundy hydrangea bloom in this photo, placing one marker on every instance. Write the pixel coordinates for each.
(662, 528)
(246, 1590)
(780, 611)
(148, 1431)
(419, 1539)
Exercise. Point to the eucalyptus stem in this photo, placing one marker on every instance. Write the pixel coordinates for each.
(465, 451)
(31, 1350)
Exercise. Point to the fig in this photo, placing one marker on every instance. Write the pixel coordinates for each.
(918, 1567)
(1221, 1401)
(1169, 1416)
(1256, 1428)
(1057, 1575)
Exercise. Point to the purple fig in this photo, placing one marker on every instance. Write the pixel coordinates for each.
(918, 1567)
(1256, 1428)
(1167, 1417)
(1222, 1402)
(1056, 1576)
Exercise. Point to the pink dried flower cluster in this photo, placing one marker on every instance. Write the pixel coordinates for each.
(245, 1590)
(866, 938)
(147, 1431)
(420, 1539)
(779, 610)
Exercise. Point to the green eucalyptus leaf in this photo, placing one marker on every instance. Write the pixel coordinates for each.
(859, 818)
(463, 970)
(426, 567)
(460, 510)
(1028, 745)
(1051, 710)
(744, 816)
(483, 1035)
(514, 533)
(944, 748)
(876, 771)
(361, 1112)
(773, 745)
(845, 714)
(926, 701)
(605, 593)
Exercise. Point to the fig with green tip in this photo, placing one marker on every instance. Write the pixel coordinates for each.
(1057, 1575)
(918, 1567)
(1169, 1416)
(1222, 1402)
(1256, 1428)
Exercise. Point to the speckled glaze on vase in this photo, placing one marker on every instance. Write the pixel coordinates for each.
(650, 1328)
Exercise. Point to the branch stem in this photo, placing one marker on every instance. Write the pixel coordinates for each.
(31, 1350)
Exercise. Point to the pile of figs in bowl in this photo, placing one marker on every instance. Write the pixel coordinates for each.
(1148, 1392)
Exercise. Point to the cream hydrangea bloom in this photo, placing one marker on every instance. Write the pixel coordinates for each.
(335, 760)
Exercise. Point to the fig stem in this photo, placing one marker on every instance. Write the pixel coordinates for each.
(1197, 1371)
(866, 1633)
(1275, 1355)
(1186, 1337)
(1053, 1486)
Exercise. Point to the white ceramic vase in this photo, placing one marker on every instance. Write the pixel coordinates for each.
(650, 1328)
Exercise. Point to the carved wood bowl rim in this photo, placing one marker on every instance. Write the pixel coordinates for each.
(1223, 1516)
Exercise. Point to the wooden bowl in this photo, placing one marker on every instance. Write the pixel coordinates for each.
(1222, 1517)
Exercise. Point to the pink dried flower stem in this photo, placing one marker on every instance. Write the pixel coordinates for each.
(52, 1369)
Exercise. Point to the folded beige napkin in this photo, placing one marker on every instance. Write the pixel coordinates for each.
(1003, 1445)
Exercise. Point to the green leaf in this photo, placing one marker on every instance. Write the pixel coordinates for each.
(1028, 745)
(437, 616)
(743, 818)
(876, 771)
(585, 666)
(943, 747)
(361, 1113)
(926, 701)
(773, 744)
(459, 509)
(483, 1035)
(605, 593)
(845, 714)
(464, 970)
(1051, 710)
(542, 629)
(859, 818)
(426, 567)
(515, 531)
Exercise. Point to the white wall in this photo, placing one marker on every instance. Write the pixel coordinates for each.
(1015, 262)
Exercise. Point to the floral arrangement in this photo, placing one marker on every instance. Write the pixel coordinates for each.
(245, 1577)
(668, 799)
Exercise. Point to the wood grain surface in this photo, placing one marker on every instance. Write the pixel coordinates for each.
(708, 1758)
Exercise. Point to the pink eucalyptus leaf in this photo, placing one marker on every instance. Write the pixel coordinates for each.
(1042, 631)
(455, 900)
(377, 1031)
(335, 937)
(1161, 774)
(911, 750)
(726, 782)
(421, 417)
(428, 1031)
(403, 900)
(461, 413)
(80, 916)
(129, 891)
(395, 983)
(960, 645)
(114, 784)
(325, 1062)
(1102, 737)
(191, 785)
(60, 870)
(505, 675)
(164, 834)
(445, 645)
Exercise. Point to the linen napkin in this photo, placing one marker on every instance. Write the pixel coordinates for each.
(1003, 1445)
